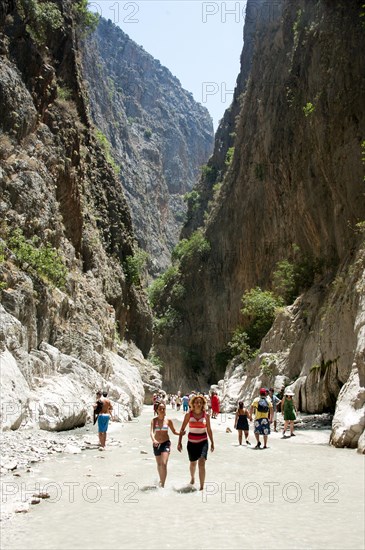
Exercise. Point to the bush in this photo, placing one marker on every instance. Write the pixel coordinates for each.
(229, 156)
(147, 133)
(160, 285)
(41, 19)
(196, 247)
(133, 266)
(193, 200)
(259, 309)
(290, 278)
(308, 109)
(85, 19)
(106, 147)
(209, 173)
(239, 345)
(169, 320)
(44, 259)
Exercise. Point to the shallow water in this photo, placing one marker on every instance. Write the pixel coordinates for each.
(300, 493)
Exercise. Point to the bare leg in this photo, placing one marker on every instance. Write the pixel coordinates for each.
(162, 467)
(286, 422)
(201, 463)
(100, 439)
(246, 437)
(192, 472)
(240, 437)
(265, 441)
(291, 427)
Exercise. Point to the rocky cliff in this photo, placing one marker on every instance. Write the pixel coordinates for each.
(67, 245)
(159, 136)
(294, 176)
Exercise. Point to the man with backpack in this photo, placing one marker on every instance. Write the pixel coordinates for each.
(262, 408)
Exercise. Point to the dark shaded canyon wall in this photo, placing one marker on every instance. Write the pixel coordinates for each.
(160, 136)
(296, 176)
(57, 185)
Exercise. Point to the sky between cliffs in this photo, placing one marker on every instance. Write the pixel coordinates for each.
(200, 42)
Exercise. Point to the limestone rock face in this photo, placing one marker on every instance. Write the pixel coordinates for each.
(159, 135)
(295, 177)
(60, 335)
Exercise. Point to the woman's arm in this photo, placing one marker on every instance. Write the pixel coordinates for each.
(210, 433)
(236, 419)
(182, 430)
(152, 433)
(172, 427)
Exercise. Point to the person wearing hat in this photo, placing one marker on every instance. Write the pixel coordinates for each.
(262, 408)
(199, 431)
(289, 411)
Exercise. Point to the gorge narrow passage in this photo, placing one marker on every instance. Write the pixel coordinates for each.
(300, 493)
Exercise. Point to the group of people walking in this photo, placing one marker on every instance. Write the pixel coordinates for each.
(264, 409)
(196, 422)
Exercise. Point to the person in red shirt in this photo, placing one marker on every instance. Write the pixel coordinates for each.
(214, 400)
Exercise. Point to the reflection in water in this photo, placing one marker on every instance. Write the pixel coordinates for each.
(300, 493)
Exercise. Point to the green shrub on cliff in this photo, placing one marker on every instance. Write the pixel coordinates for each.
(45, 260)
(85, 19)
(106, 147)
(161, 285)
(41, 18)
(259, 311)
(133, 266)
(196, 247)
(291, 277)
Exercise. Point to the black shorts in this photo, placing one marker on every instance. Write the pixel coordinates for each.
(164, 447)
(197, 450)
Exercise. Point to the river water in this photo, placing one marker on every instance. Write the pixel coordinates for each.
(299, 493)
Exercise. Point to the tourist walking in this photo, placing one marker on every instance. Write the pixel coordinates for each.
(97, 406)
(241, 422)
(275, 403)
(185, 403)
(199, 431)
(262, 408)
(214, 400)
(160, 426)
(103, 418)
(289, 412)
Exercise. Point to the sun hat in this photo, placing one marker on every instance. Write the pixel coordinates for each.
(289, 393)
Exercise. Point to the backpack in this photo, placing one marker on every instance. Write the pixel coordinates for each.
(263, 406)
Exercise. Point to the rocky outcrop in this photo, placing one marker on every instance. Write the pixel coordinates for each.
(68, 300)
(295, 177)
(159, 136)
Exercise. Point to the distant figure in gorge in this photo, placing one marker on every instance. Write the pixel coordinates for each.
(185, 403)
(289, 412)
(199, 431)
(103, 419)
(161, 442)
(214, 400)
(275, 404)
(241, 422)
(97, 406)
(262, 408)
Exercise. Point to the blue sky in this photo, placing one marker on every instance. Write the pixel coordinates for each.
(199, 41)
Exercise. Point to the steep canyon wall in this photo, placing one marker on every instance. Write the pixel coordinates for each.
(295, 178)
(159, 135)
(67, 303)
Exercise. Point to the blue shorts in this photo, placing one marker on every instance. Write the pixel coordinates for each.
(162, 448)
(262, 426)
(103, 421)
